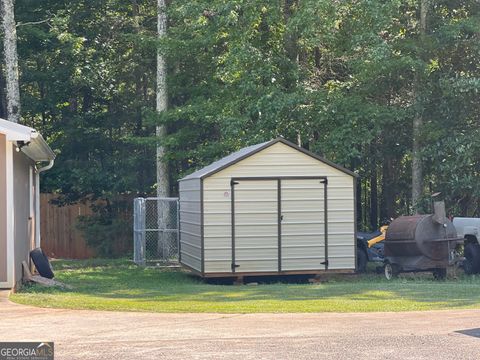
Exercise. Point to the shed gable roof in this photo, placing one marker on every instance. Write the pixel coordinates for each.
(251, 150)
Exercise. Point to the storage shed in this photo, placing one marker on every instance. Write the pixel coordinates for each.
(271, 208)
(22, 150)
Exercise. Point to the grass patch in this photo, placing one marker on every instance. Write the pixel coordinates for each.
(120, 285)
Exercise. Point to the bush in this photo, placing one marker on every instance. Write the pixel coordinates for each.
(106, 230)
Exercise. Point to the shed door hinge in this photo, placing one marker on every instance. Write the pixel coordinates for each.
(324, 181)
(235, 266)
(232, 183)
(324, 263)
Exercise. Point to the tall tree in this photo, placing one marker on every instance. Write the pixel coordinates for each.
(11, 60)
(417, 164)
(339, 73)
(162, 103)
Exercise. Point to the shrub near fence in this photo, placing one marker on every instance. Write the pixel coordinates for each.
(61, 237)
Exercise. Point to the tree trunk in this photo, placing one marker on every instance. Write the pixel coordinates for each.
(161, 131)
(162, 172)
(138, 74)
(290, 41)
(358, 190)
(11, 61)
(417, 165)
(291, 47)
(359, 204)
(365, 205)
(373, 195)
(139, 93)
(3, 103)
(388, 210)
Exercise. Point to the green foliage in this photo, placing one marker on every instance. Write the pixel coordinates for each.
(87, 79)
(344, 77)
(104, 230)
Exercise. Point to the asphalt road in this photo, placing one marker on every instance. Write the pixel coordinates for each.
(80, 334)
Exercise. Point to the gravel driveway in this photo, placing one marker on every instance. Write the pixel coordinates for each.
(81, 334)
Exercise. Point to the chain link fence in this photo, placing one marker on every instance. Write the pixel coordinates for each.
(155, 231)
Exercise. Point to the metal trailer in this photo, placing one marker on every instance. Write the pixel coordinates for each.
(421, 243)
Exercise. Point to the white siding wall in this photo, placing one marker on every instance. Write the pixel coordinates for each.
(281, 160)
(190, 223)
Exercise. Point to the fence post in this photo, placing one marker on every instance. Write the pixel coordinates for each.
(135, 230)
(178, 229)
(143, 234)
(139, 231)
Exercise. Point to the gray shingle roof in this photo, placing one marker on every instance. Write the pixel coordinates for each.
(250, 150)
(229, 159)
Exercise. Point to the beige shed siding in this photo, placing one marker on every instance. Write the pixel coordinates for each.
(3, 210)
(303, 225)
(23, 237)
(281, 160)
(256, 234)
(190, 223)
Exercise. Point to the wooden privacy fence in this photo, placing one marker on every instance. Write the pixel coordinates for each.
(60, 236)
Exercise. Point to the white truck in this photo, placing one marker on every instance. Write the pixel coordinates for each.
(469, 228)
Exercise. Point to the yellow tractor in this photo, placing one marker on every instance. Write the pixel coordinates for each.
(378, 238)
(370, 248)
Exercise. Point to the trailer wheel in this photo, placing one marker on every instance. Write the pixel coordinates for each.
(440, 274)
(361, 261)
(391, 271)
(471, 265)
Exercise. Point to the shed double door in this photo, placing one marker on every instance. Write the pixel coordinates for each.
(279, 224)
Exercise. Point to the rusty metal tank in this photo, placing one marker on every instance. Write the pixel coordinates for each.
(419, 235)
(421, 242)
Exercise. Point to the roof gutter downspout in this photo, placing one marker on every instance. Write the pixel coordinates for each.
(37, 200)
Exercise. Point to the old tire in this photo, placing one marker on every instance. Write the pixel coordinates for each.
(41, 263)
(362, 260)
(471, 265)
(391, 271)
(440, 274)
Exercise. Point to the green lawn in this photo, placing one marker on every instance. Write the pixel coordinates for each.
(119, 285)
